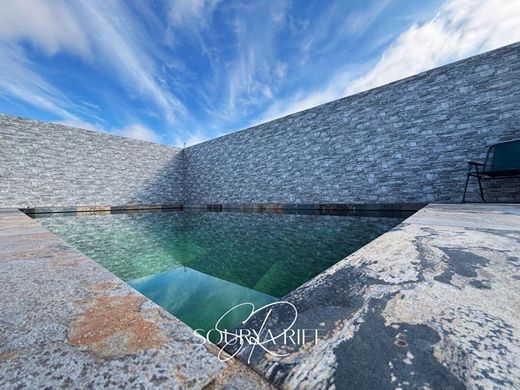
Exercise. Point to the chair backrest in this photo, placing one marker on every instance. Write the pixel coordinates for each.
(505, 156)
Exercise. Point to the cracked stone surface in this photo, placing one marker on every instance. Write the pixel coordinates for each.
(65, 321)
(434, 303)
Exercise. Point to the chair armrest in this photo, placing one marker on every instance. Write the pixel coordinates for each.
(476, 163)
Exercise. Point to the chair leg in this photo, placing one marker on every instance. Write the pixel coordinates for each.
(465, 189)
(480, 187)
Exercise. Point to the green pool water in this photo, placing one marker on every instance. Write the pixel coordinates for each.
(199, 264)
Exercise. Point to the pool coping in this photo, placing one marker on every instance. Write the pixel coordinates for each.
(416, 262)
(67, 321)
(432, 303)
(273, 207)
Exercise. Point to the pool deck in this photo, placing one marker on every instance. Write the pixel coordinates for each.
(65, 321)
(435, 302)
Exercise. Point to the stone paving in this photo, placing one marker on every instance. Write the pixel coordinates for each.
(434, 303)
(65, 321)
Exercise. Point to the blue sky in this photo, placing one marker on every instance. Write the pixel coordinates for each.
(183, 71)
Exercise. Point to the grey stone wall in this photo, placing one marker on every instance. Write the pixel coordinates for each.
(404, 142)
(45, 164)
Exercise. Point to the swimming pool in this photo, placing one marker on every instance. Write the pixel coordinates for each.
(199, 264)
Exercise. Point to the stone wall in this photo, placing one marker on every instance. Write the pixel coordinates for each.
(403, 142)
(45, 164)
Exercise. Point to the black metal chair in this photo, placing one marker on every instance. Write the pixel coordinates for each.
(502, 162)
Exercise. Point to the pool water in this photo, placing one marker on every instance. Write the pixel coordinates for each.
(199, 264)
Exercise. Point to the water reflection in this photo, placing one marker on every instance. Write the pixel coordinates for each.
(198, 264)
(270, 253)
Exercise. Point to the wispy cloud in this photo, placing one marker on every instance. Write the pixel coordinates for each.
(48, 25)
(20, 80)
(253, 72)
(198, 68)
(338, 26)
(303, 100)
(34, 22)
(94, 30)
(127, 48)
(138, 132)
(262, 71)
(135, 131)
(359, 21)
(191, 13)
(460, 28)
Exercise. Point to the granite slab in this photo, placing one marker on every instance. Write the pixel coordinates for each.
(65, 321)
(433, 304)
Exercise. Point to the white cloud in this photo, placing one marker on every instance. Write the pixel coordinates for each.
(137, 131)
(302, 101)
(48, 25)
(254, 73)
(81, 124)
(19, 80)
(55, 26)
(280, 69)
(93, 30)
(130, 52)
(191, 12)
(359, 21)
(332, 28)
(460, 29)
